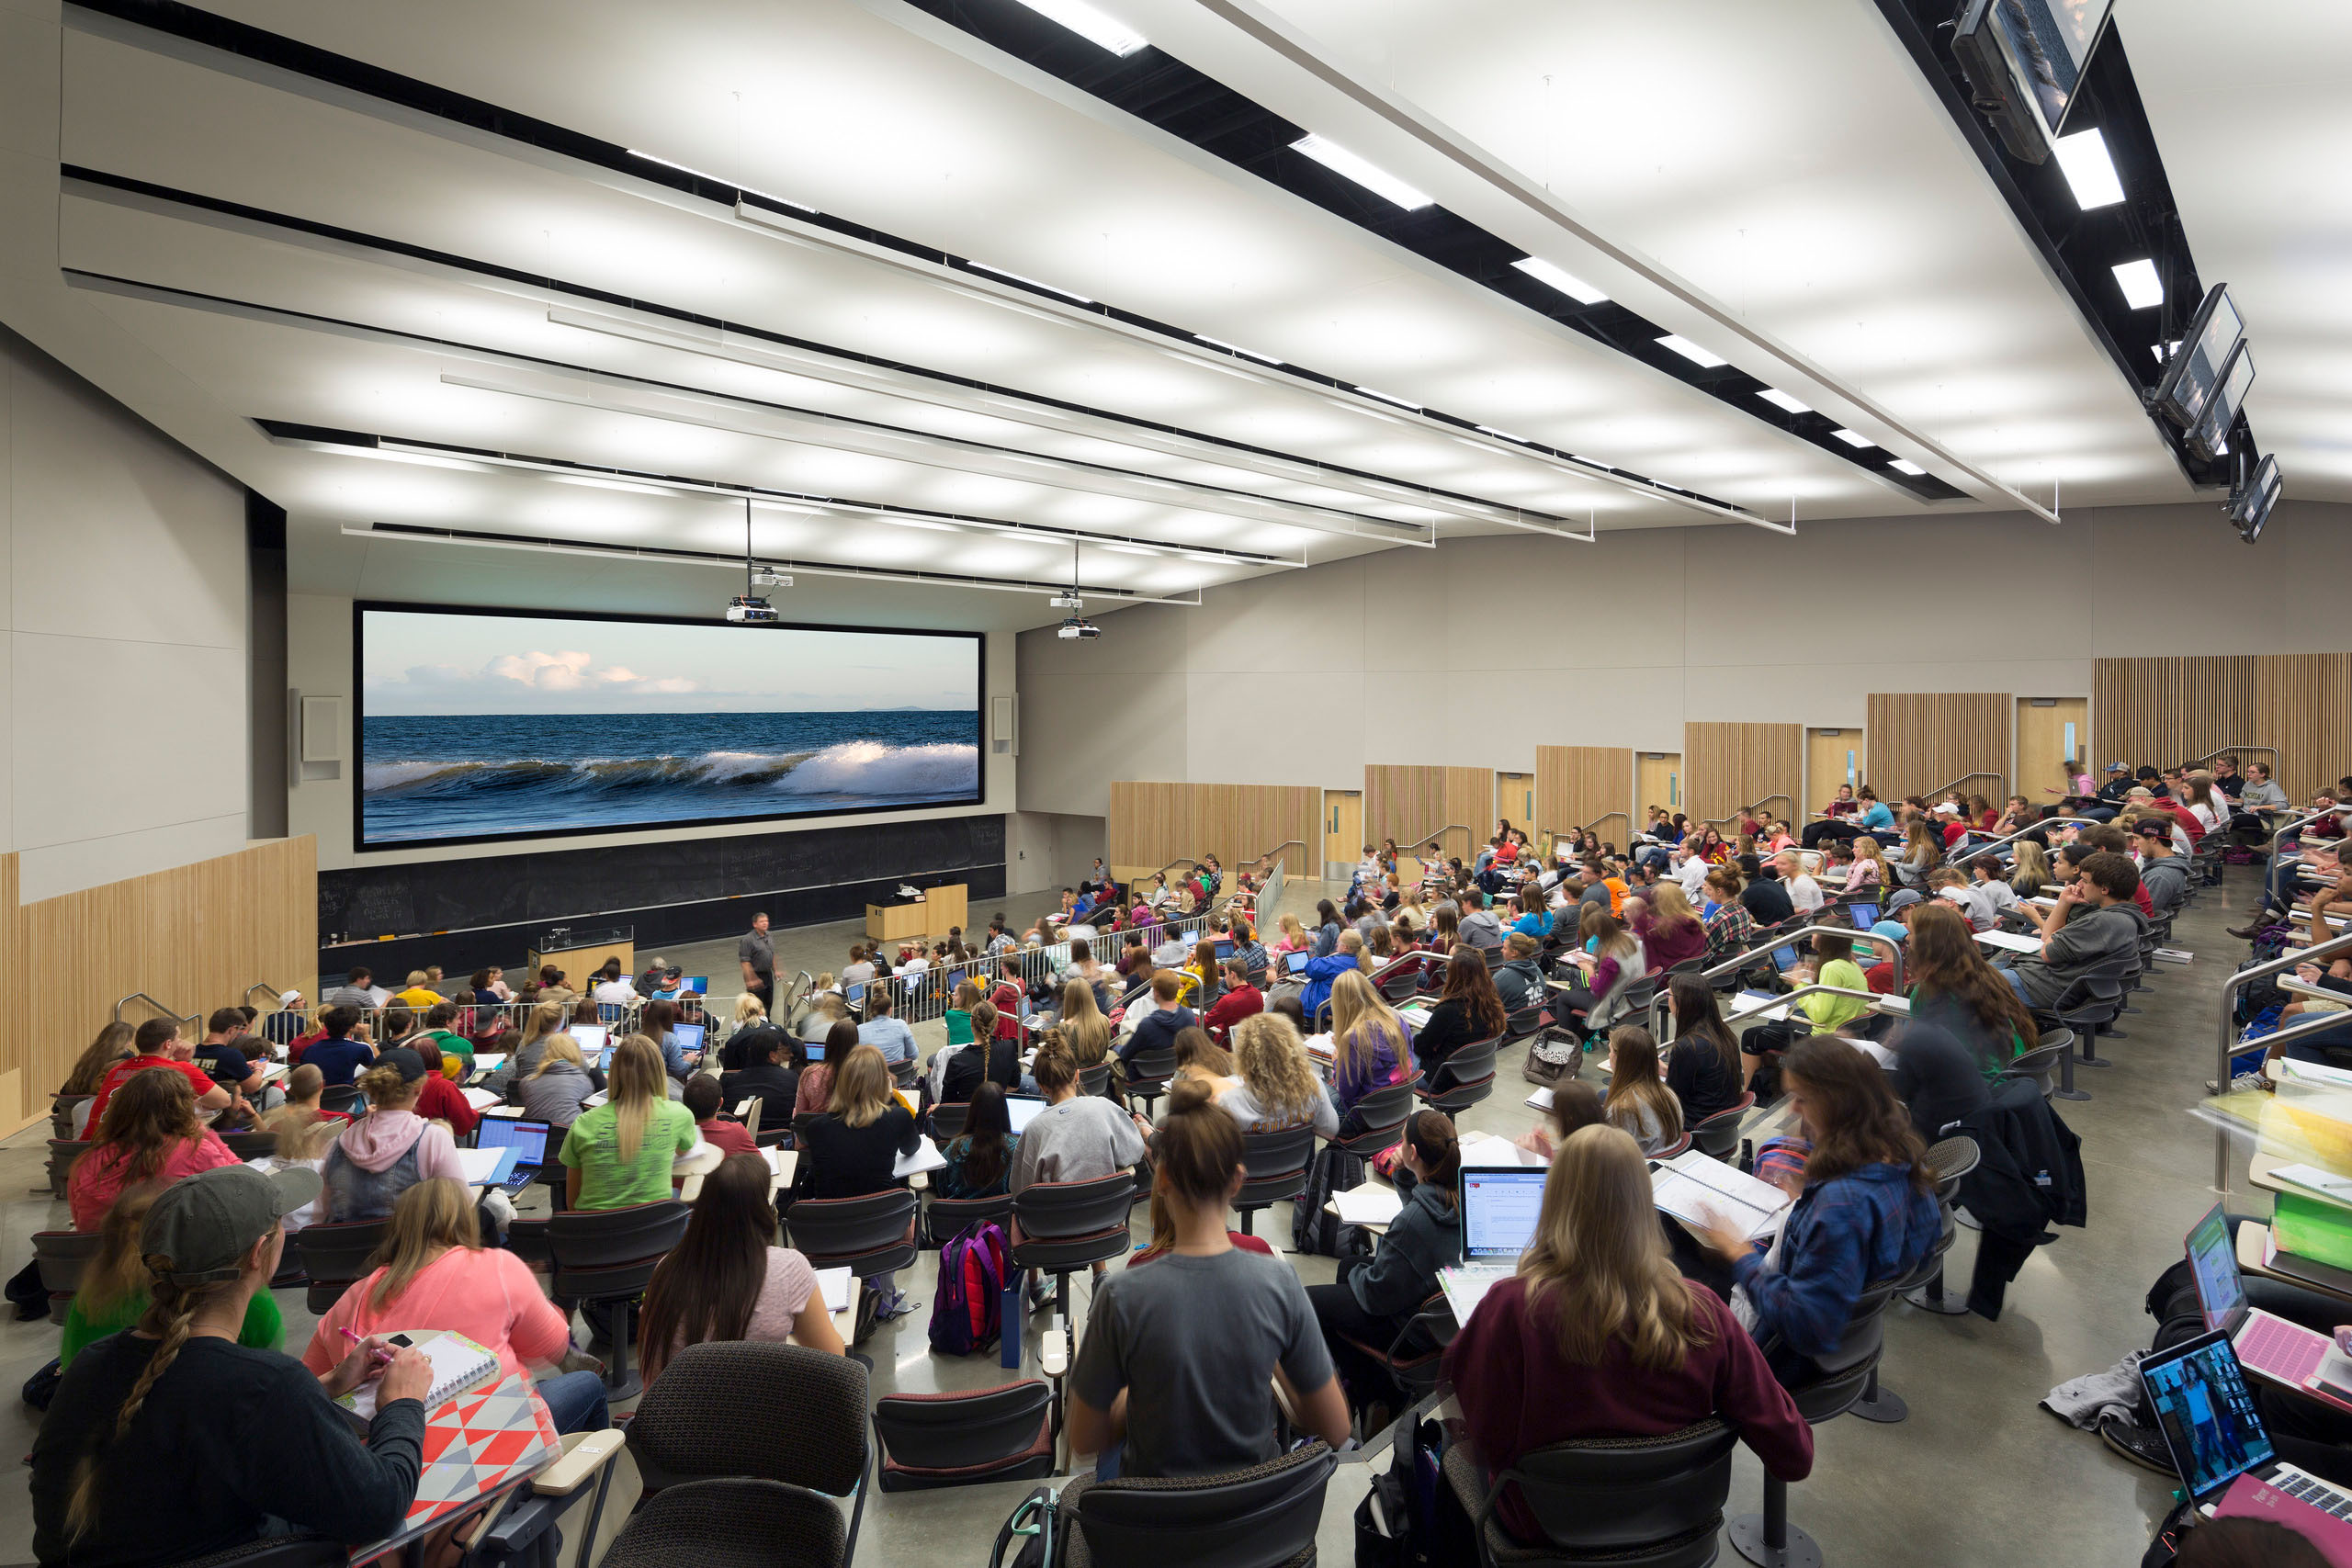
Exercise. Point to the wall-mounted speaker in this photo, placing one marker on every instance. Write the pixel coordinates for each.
(1004, 728)
(322, 730)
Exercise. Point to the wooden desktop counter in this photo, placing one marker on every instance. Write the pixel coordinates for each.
(938, 908)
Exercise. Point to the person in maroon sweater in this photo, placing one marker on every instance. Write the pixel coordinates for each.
(1597, 1336)
(1241, 999)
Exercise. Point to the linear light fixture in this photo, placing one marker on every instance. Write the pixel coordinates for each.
(2142, 289)
(1017, 277)
(1780, 399)
(1370, 175)
(1388, 398)
(1096, 26)
(597, 481)
(1705, 358)
(721, 179)
(1505, 434)
(1905, 466)
(1853, 438)
(1567, 282)
(1236, 348)
(1131, 549)
(2089, 170)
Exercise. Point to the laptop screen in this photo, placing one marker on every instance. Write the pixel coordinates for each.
(1021, 1109)
(698, 984)
(587, 1036)
(528, 1138)
(1298, 962)
(1785, 958)
(2198, 1396)
(1864, 916)
(688, 1035)
(1498, 1210)
(2220, 1289)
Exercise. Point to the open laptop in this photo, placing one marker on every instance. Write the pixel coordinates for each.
(1786, 958)
(1498, 1205)
(1864, 916)
(688, 1036)
(2267, 1346)
(1298, 962)
(530, 1140)
(589, 1037)
(2198, 1395)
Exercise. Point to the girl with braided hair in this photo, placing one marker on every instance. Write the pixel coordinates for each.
(144, 1457)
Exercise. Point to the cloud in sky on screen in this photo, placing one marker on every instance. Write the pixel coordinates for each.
(419, 662)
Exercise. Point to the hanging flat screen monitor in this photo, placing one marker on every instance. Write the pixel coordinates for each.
(2210, 439)
(2196, 367)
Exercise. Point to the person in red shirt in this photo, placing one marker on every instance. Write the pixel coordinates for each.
(1597, 1336)
(1241, 999)
(159, 1045)
(703, 1099)
(1008, 997)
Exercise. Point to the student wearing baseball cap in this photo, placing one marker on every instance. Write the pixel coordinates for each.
(143, 1457)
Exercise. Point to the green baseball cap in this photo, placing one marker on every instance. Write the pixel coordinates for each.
(201, 1227)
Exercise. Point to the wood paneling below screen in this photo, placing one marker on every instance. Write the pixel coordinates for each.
(1734, 765)
(1410, 804)
(193, 937)
(1928, 740)
(1578, 787)
(1153, 824)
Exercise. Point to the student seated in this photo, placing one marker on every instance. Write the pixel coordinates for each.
(851, 1150)
(1669, 931)
(1238, 1000)
(150, 1134)
(1371, 1047)
(172, 1441)
(620, 1153)
(1519, 978)
(2095, 924)
(1575, 1105)
(1865, 1209)
(384, 1152)
(1611, 962)
(113, 1293)
(1953, 989)
(1595, 1335)
(1374, 1299)
(987, 1059)
(432, 1272)
(771, 1075)
(1278, 1089)
(1175, 1400)
(1639, 1102)
(1077, 1137)
(1831, 964)
(1159, 1020)
(813, 1092)
(1703, 1069)
(156, 1046)
(1201, 1059)
(551, 1092)
(703, 1101)
(1469, 1010)
(979, 1159)
(727, 1280)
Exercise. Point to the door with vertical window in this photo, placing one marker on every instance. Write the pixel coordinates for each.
(1342, 832)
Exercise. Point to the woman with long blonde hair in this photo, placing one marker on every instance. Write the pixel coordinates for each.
(1868, 869)
(1639, 1101)
(432, 1271)
(1084, 1029)
(1597, 1335)
(113, 1044)
(1369, 1044)
(553, 1091)
(2030, 872)
(849, 1152)
(620, 1153)
(1278, 1090)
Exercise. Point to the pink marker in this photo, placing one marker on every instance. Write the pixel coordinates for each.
(379, 1357)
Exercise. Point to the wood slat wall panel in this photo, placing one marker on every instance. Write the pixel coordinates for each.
(16, 1062)
(1409, 803)
(1923, 740)
(193, 937)
(1728, 766)
(2166, 711)
(1576, 787)
(2302, 704)
(1152, 824)
(1148, 826)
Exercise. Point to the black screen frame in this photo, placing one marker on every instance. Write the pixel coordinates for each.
(360, 608)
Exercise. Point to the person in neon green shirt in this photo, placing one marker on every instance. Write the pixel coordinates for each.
(620, 1152)
(1833, 965)
(114, 1293)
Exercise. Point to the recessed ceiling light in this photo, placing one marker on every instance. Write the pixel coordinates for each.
(1780, 399)
(2165, 351)
(1905, 466)
(598, 481)
(1704, 357)
(1090, 24)
(721, 179)
(1017, 277)
(1853, 438)
(1236, 348)
(1388, 397)
(2091, 173)
(2142, 289)
(1567, 283)
(1374, 179)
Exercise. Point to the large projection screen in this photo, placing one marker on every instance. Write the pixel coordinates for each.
(479, 725)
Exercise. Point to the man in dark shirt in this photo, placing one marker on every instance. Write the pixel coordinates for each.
(763, 1075)
(338, 1057)
(221, 1060)
(1158, 1029)
(1766, 901)
(756, 955)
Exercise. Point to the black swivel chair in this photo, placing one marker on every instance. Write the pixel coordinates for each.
(1767, 1539)
(944, 1217)
(1264, 1517)
(873, 1233)
(609, 1255)
(970, 1437)
(1717, 1136)
(1383, 1113)
(333, 1256)
(1275, 1166)
(1148, 1076)
(1951, 1159)
(1467, 1077)
(947, 1120)
(63, 1257)
(1627, 1502)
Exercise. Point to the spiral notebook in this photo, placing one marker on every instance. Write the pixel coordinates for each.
(457, 1364)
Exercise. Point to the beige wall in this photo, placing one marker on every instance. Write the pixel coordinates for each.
(1476, 652)
(123, 716)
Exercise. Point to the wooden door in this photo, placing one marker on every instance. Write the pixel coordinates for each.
(1342, 832)
(2050, 731)
(1658, 781)
(1832, 757)
(1515, 799)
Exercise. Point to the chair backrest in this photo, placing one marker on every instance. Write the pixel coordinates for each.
(838, 1227)
(1718, 1135)
(338, 1253)
(604, 1238)
(1250, 1519)
(339, 1097)
(250, 1145)
(1612, 1495)
(1095, 1080)
(1150, 1066)
(1865, 1330)
(1385, 1107)
(62, 1257)
(1074, 1208)
(1472, 1061)
(947, 1119)
(1951, 1159)
(961, 1430)
(1524, 1022)
(1277, 1154)
(719, 1410)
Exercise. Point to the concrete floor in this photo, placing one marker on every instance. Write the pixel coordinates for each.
(1976, 1475)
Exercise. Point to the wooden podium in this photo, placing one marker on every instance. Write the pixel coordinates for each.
(930, 916)
(582, 954)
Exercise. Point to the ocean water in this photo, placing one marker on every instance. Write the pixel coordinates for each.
(448, 777)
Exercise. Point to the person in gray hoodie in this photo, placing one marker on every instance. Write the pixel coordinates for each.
(1519, 979)
(1479, 928)
(2162, 870)
(384, 1152)
(1374, 1298)
(2096, 923)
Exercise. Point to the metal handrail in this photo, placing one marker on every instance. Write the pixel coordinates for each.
(1432, 837)
(1980, 774)
(159, 1007)
(1596, 822)
(1742, 960)
(1262, 860)
(1966, 856)
(1719, 821)
(2221, 751)
(2226, 1010)
(2303, 821)
(1870, 997)
(275, 991)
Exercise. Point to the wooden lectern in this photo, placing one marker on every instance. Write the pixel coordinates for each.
(929, 917)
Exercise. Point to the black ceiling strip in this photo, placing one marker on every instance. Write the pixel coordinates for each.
(1155, 87)
(2080, 247)
(287, 429)
(176, 20)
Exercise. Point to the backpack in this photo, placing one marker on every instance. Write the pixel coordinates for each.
(967, 1312)
(1314, 1229)
(1556, 1054)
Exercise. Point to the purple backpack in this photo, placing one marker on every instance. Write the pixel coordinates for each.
(966, 1314)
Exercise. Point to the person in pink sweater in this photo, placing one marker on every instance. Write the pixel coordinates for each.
(150, 1134)
(433, 1272)
(1597, 1336)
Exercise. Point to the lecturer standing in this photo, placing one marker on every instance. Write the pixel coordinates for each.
(756, 952)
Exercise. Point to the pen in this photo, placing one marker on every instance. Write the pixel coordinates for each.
(379, 1357)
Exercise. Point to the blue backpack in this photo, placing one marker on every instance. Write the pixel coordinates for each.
(967, 1313)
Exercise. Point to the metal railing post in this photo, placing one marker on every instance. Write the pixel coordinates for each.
(2227, 1022)
(1967, 855)
(1742, 960)
(1719, 821)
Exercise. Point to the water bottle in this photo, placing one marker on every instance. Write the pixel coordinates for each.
(1010, 1310)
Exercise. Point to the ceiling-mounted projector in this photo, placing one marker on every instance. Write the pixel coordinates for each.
(768, 577)
(1074, 627)
(747, 608)
(1069, 600)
